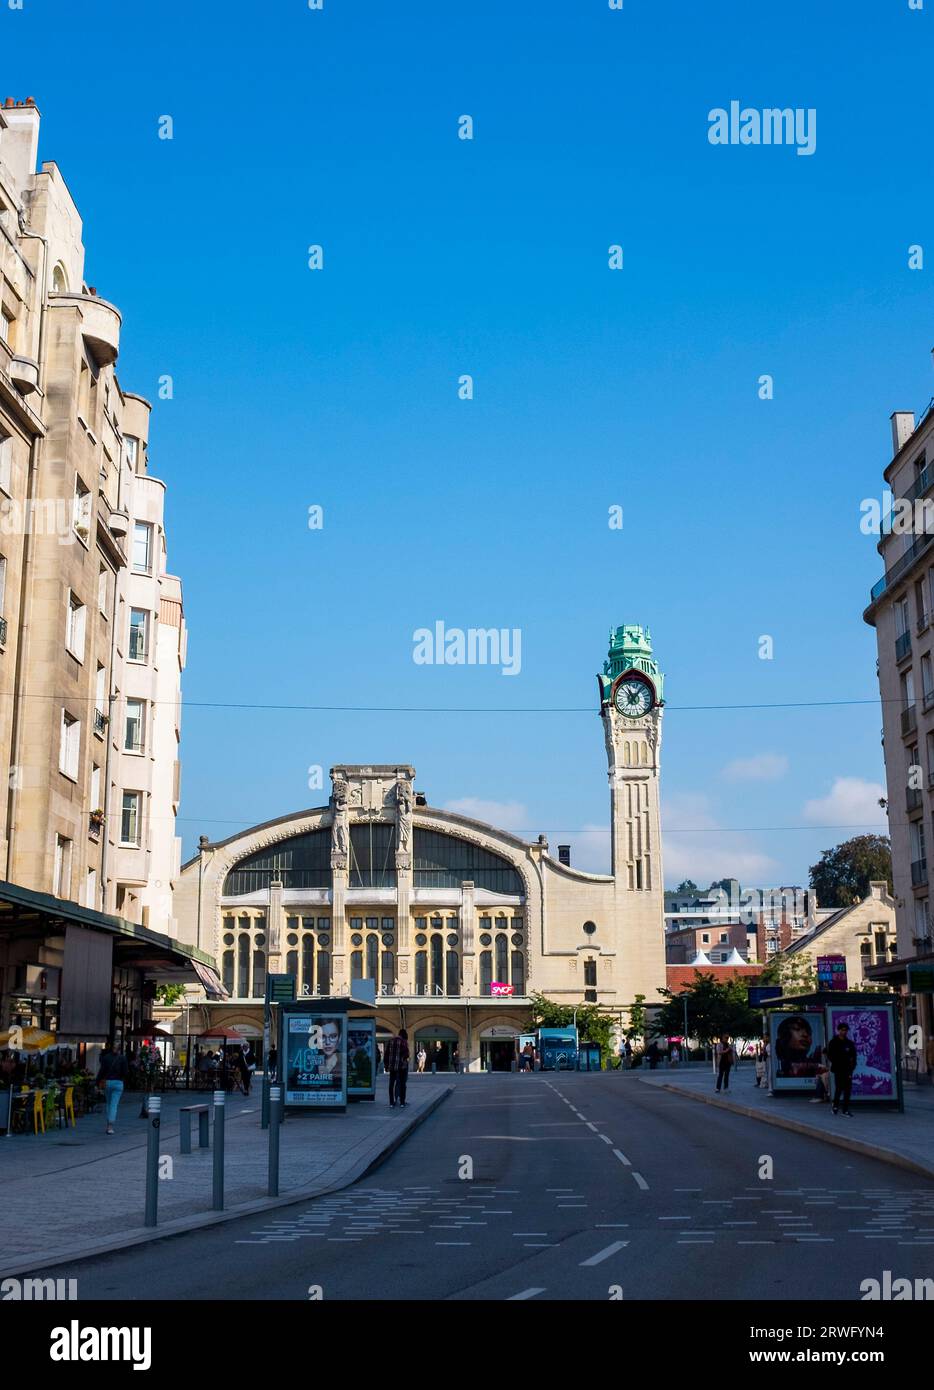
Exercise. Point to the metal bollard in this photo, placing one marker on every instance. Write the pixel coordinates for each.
(219, 1099)
(152, 1160)
(275, 1119)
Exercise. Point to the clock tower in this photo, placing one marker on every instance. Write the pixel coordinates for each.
(631, 701)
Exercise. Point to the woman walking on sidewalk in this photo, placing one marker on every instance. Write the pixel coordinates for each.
(725, 1057)
(111, 1075)
(396, 1062)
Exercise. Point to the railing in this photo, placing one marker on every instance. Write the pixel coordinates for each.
(901, 565)
(909, 720)
(920, 485)
(919, 873)
(927, 700)
(902, 646)
(100, 721)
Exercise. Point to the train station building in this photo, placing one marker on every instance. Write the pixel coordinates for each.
(454, 921)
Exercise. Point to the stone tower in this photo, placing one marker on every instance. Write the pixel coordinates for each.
(631, 702)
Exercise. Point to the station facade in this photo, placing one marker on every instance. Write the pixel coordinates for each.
(454, 921)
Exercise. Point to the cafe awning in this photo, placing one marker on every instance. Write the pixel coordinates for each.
(26, 915)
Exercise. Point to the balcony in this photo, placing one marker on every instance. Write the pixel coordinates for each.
(919, 873)
(909, 720)
(920, 485)
(901, 565)
(100, 722)
(913, 801)
(100, 324)
(24, 373)
(902, 646)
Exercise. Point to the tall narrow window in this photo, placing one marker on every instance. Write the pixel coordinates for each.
(75, 626)
(324, 972)
(142, 547)
(130, 819)
(62, 870)
(229, 971)
(6, 462)
(437, 960)
(139, 634)
(243, 966)
(421, 972)
(518, 972)
(69, 746)
(356, 965)
(308, 964)
(259, 974)
(502, 961)
(135, 735)
(486, 972)
(81, 511)
(452, 973)
(2, 584)
(103, 591)
(388, 972)
(372, 957)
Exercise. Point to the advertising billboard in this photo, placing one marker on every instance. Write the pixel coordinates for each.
(831, 972)
(872, 1029)
(315, 1046)
(796, 1039)
(361, 1057)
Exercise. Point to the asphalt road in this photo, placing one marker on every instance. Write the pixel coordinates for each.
(586, 1186)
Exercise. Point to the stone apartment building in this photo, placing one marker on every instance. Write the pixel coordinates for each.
(901, 609)
(92, 633)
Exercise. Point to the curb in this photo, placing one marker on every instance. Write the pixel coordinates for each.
(184, 1224)
(841, 1141)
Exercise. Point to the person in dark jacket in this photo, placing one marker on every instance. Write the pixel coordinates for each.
(396, 1063)
(842, 1056)
(111, 1076)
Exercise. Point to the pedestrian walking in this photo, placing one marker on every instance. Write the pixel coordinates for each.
(272, 1063)
(243, 1067)
(396, 1062)
(527, 1057)
(760, 1065)
(421, 1057)
(653, 1054)
(111, 1075)
(842, 1056)
(725, 1058)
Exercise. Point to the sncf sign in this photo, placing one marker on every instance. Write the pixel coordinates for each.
(502, 989)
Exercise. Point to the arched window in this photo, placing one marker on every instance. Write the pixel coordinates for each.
(291, 964)
(486, 972)
(229, 971)
(308, 963)
(324, 972)
(243, 972)
(304, 861)
(59, 280)
(421, 972)
(388, 967)
(259, 974)
(452, 982)
(502, 961)
(372, 957)
(356, 965)
(518, 972)
(437, 978)
(372, 856)
(445, 861)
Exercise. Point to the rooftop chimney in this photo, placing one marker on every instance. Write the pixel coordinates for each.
(19, 143)
(564, 855)
(903, 427)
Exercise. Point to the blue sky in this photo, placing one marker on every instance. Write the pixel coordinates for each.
(593, 388)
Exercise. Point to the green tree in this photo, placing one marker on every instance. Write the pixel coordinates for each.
(636, 1027)
(842, 875)
(170, 994)
(688, 886)
(592, 1025)
(713, 1007)
(795, 974)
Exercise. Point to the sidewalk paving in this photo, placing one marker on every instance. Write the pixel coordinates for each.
(905, 1139)
(71, 1193)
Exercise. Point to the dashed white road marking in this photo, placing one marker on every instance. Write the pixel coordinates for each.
(640, 1180)
(602, 1255)
(606, 1139)
(590, 1125)
(526, 1293)
(622, 1158)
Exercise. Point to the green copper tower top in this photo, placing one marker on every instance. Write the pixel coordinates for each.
(631, 650)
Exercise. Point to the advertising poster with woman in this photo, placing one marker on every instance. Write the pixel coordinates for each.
(316, 1066)
(797, 1049)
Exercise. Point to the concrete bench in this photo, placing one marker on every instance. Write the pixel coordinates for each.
(204, 1121)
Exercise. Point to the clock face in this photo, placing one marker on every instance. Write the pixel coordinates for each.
(634, 697)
